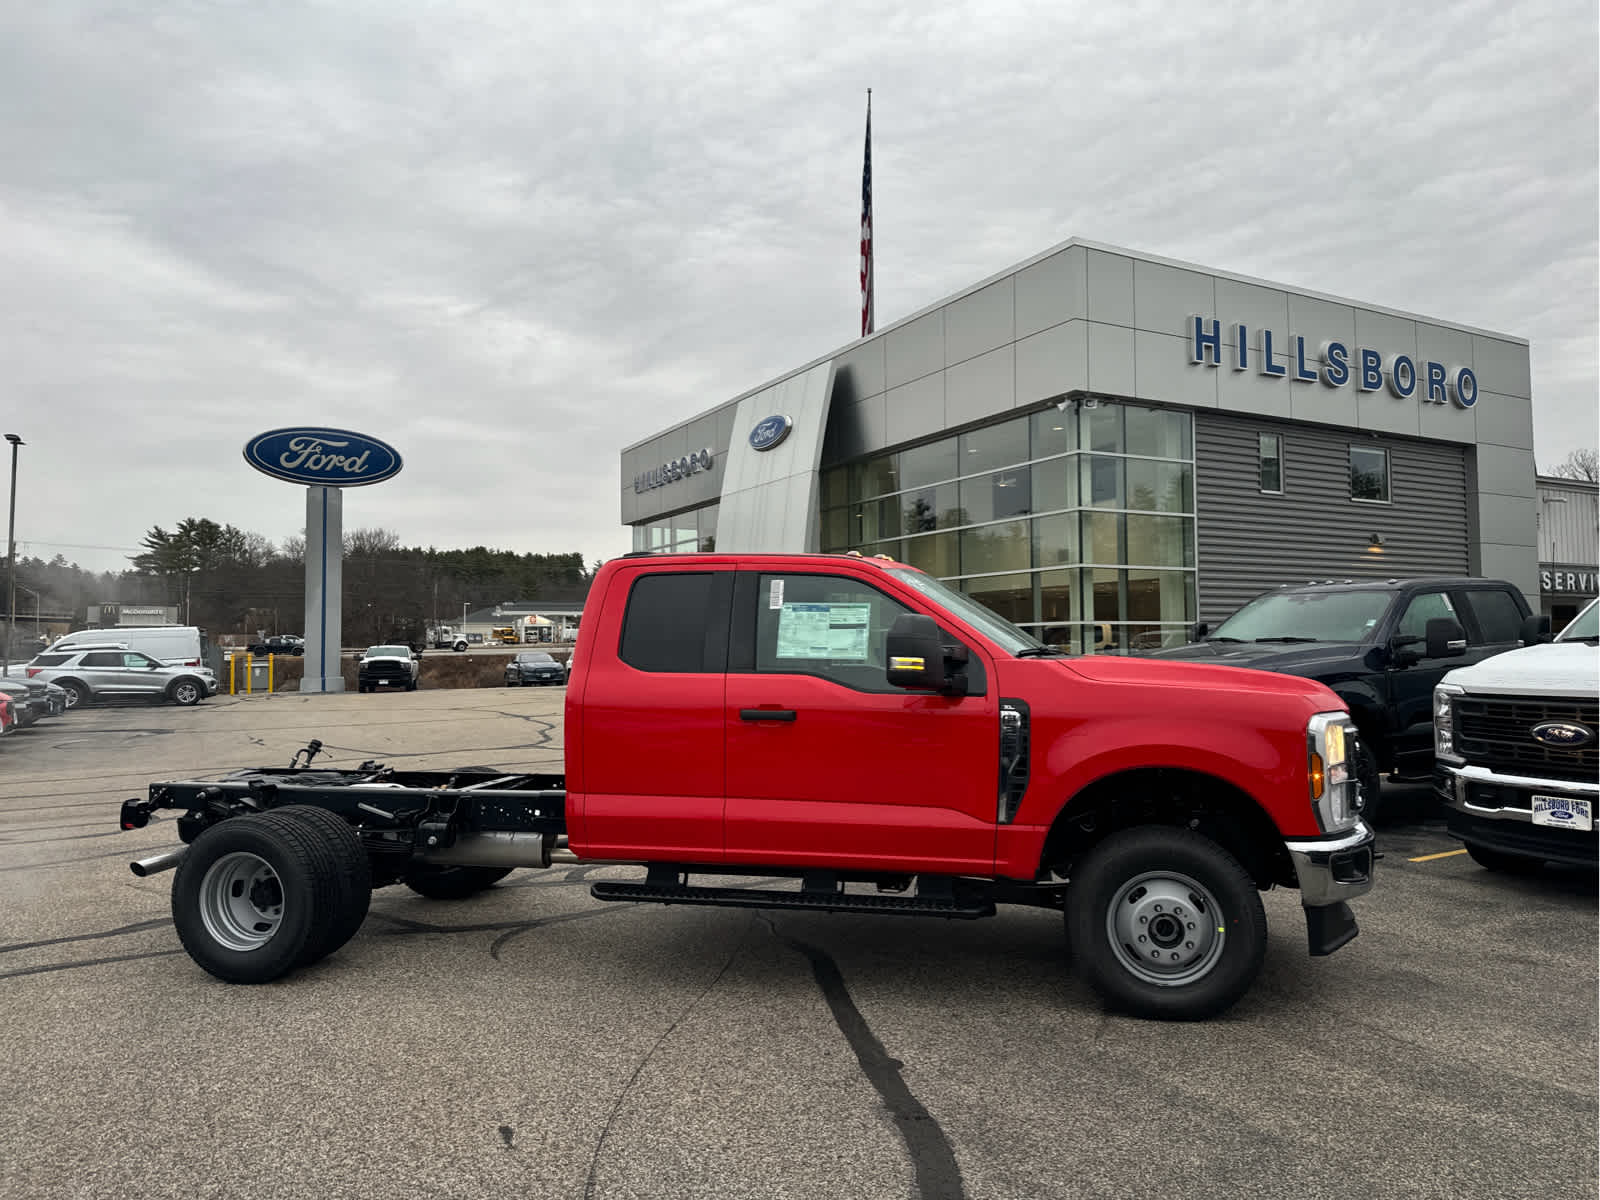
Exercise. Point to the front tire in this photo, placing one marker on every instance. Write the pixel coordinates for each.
(1369, 779)
(1499, 860)
(452, 883)
(77, 694)
(187, 692)
(1166, 923)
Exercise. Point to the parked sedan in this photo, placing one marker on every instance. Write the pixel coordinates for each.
(534, 666)
(33, 698)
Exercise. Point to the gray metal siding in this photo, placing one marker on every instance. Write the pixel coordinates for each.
(1248, 542)
(1569, 523)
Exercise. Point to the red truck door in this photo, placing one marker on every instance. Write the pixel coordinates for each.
(652, 714)
(827, 764)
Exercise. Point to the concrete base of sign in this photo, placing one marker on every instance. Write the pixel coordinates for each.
(324, 588)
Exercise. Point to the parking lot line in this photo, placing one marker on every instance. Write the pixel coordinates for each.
(1441, 854)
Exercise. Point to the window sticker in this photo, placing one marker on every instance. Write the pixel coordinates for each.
(831, 631)
(775, 599)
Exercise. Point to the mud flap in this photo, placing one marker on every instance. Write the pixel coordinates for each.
(1329, 926)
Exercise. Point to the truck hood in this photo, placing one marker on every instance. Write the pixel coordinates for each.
(1291, 658)
(1561, 668)
(1201, 677)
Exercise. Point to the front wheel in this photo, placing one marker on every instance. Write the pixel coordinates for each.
(187, 692)
(77, 694)
(1166, 923)
(1369, 780)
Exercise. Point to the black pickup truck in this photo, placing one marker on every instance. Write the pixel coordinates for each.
(1381, 645)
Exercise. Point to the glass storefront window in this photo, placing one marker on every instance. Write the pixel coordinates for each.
(1160, 541)
(1158, 433)
(994, 446)
(835, 487)
(1100, 538)
(1102, 482)
(1103, 428)
(930, 508)
(994, 497)
(1055, 540)
(1009, 595)
(706, 526)
(1053, 432)
(1055, 484)
(996, 548)
(1111, 565)
(939, 554)
(875, 477)
(933, 463)
(1160, 486)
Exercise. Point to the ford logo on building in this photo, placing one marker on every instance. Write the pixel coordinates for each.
(1562, 734)
(322, 457)
(770, 432)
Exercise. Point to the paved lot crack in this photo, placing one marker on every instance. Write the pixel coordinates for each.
(933, 1160)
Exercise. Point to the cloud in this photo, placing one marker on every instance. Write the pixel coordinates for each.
(512, 241)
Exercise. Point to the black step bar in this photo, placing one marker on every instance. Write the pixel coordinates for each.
(817, 901)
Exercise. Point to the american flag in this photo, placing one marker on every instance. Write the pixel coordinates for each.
(866, 227)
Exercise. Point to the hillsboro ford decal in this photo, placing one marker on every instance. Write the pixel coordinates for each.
(1335, 364)
(770, 431)
(674, 470)
(322, 457)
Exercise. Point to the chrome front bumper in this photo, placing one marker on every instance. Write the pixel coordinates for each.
(1467, 789)
(1334, 869)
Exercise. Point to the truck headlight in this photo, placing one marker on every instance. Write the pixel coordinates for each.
(1328, 775)
(1444, 719)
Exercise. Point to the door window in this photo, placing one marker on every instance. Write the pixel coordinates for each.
(1429, 606)
(668, 622)
(833, 627)
(139, 662)
(102, 658)
(1499, 618)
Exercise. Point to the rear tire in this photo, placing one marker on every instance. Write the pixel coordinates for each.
(1509, 864)
(452, 883)
(252, 897)
(186, 692)
(1165, 923)
(351, 870)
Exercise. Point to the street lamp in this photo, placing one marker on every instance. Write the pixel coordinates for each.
(11, 560)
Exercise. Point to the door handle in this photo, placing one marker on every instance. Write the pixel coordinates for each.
(767, 714)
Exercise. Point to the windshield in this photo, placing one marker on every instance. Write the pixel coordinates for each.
(534, 658)
(1583, 627)
(986, 621)
(1306, 617)
(389, 651)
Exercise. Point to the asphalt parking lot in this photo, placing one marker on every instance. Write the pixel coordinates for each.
(532, 1041)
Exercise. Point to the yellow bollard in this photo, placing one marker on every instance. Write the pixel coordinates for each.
(232, 658)
(271, 659)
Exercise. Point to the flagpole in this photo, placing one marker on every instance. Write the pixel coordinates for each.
(868, 281)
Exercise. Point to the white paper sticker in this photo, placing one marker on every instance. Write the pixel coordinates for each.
(831, 631)
(775, 600)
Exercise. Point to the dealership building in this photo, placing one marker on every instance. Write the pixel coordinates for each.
(1106, 447)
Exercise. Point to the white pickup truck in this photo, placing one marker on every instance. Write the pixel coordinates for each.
(1517, 751)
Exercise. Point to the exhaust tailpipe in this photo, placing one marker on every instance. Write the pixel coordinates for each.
(157, 863)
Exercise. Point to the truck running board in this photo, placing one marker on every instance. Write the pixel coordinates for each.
(824, 901)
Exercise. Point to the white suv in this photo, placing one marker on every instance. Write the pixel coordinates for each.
(102, 671)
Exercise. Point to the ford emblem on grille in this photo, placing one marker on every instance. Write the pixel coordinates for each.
(1563, 734)
(770, 431)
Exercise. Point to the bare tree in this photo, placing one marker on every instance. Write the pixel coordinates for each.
(370, 543)
(1582, 463)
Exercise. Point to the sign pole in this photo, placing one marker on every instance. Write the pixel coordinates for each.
(324, 588)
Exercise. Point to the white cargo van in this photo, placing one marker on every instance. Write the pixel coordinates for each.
(175, 645)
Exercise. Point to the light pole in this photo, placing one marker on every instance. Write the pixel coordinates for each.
(11, 560)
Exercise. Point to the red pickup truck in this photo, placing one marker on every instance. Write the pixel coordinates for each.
(854, 725)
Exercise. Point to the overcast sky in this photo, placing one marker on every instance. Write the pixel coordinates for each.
(510, 239)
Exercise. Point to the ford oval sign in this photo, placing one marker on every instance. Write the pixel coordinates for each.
(322, 457)
(1563, 734)
(770, 432)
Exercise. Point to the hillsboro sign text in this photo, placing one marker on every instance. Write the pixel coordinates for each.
(1335, 365)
